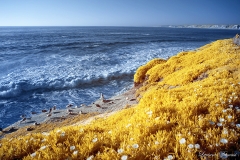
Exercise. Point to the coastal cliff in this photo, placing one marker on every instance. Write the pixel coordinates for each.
(188, 107)
(234, 26)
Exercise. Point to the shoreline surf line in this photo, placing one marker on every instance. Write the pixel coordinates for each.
(101, 108)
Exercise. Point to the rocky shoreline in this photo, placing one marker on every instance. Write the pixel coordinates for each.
(100, 107)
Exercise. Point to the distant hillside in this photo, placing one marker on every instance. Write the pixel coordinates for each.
(235, 26)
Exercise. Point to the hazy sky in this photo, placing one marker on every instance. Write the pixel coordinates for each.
(117, 12)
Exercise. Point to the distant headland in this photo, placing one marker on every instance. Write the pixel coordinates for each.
(208, 26)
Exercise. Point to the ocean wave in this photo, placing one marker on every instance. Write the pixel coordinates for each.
(121, 33)
(62, 44)
(82, 45)
(14, 89)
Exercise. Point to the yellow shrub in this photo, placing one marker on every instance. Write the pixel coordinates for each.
(140, 76)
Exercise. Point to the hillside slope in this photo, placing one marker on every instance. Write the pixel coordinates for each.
(189, 105)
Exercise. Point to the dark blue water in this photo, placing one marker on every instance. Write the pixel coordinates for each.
(45, 66)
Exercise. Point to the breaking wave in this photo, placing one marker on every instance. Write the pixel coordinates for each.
(14, 89)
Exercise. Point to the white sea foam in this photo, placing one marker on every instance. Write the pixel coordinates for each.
(60, 73)
(42, 67)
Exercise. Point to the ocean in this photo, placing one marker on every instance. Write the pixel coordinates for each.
(45, 66)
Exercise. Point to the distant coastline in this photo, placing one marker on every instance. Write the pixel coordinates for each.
(214, 26)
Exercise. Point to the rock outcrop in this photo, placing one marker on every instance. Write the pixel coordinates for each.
(236, 40)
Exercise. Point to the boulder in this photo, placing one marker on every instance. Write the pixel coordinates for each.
(236, 40)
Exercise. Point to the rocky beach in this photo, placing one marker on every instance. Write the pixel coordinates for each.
(100, 108)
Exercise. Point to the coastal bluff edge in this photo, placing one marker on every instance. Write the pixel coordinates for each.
(187, 106)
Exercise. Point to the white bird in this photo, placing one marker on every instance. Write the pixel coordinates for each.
(50, 110)
(102, 98)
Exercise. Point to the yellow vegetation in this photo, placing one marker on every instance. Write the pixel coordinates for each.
(190, 105)
(139, 77)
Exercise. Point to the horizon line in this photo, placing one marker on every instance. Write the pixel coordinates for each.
(165, 25)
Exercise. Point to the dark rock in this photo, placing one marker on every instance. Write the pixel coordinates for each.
(29, 129)
(69, 105)
(23, 116)
(12, 129)
(36, 124)
(24, 119)
(34, 112)
(97, 105)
